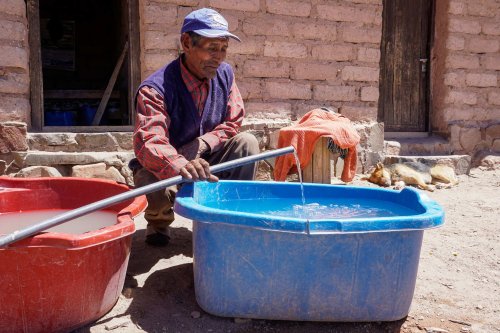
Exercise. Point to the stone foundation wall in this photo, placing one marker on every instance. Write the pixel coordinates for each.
(106, 155)
(294, 55)
(466, 93)
(14, 59)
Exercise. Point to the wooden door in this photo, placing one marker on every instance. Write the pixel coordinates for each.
(405, 50)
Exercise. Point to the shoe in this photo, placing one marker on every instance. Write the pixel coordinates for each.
(157, 239)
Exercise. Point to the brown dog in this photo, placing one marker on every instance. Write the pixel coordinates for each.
(412, 173)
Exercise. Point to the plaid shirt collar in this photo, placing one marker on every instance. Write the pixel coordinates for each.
(191, 81)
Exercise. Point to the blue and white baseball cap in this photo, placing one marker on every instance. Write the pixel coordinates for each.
(207, 23)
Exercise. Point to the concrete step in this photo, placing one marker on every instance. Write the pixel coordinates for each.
(460, 163)
(423, 146)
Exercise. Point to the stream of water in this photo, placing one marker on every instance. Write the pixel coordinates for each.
(299, 171)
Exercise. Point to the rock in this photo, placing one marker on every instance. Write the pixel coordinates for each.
(124, 140)
(128, 175)
(31, 158)
(486, 160)
(96, 142)
(436, 330)
(392, 148)
(469, 138)
(38, 171)
(242, 320)
(13, 137)
(53, 142)
(98, 170)
(195, 314)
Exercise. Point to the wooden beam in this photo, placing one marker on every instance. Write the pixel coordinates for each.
(35, 71)
(109, 88)
(134, 55)
(78, 94)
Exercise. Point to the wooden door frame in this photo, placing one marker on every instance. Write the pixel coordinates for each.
(428, 78)
(131, 7)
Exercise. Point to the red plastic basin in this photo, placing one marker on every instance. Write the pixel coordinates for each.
(56, 282)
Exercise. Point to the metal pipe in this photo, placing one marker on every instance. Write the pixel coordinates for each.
(72, 214)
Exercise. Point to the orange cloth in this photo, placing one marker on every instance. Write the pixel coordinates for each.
(304, 135)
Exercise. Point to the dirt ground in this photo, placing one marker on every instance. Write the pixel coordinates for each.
(458, 283)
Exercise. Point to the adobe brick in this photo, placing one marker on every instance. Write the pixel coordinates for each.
(270, 110)
(353, 73)
(161, 40)
(480, 45)
(494, 97)
(335, 93)
(316, 31)
(232, 20)
(461, 97)
(14, 109)
(333, 52)
(247, 47)
(491, 62)
(243, 5)
(13, 7)
(488, 8)
(285, 49)
(361, 35)
(371, 15)
(456, 7)
(466, 26)
(454, 79)
(10, 30)
(369, 94)
(373, 2)
(462, 61)
(266, 68)
(266, 27)
(159, 13)
(292, 8)
(481, 80)
(14, 83)
(13, 56)
(357, 113)
(153, 61)
(189, 3)
(491, 28)
(315, 71)
(368, 54)
(289, 90)
(455, 43)
(250, 88)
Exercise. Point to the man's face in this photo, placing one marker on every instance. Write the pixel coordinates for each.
(204, 58)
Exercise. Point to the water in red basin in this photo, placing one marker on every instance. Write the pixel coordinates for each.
(72, 275)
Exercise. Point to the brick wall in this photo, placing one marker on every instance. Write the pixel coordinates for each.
(14, 57)
(468, 110)
(295, 55)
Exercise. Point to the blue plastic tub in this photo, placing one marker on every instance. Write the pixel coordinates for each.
(262, 265)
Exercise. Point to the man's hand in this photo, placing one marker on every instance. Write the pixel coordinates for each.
(198, 169)
(194, 149)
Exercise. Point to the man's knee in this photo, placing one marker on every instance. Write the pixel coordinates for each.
(248, 143)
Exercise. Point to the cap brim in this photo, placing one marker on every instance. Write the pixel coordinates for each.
(210, 33)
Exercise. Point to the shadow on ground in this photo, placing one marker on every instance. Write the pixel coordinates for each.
(166, 301)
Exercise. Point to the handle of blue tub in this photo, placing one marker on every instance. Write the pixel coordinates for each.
(98, 205)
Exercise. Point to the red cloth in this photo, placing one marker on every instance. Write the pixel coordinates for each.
(304, 135)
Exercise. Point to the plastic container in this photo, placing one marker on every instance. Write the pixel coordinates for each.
(59, 118)
(56, 282)
(254, 265)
